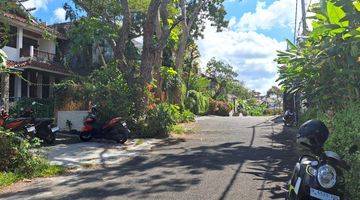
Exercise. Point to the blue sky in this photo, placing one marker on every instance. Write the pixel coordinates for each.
(257, 29)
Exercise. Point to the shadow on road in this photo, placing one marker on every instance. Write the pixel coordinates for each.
(177, 172)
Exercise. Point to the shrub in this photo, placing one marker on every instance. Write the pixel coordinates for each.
(17, 162)
(41, 108)
(344, 127)
(187, 116)
(345, 134)
(105, 87)
(197, 103)
(160, 119)
(270, 111)
(220, 108)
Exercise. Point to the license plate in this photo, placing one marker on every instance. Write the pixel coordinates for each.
(322, 195)
(31, 129)
(297, 185)
(55, 129)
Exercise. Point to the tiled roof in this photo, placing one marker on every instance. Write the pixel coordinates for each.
(53, 67)
(34, 23)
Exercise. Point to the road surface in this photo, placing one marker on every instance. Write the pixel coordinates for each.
(247, 158)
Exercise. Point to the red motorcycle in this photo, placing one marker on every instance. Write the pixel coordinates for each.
(115, 129)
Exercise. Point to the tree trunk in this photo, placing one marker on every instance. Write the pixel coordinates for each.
(187, 25)
(158, 61)
(5, 88)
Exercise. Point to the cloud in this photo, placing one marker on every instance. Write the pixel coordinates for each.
(38, 4)
(59, 14)
(279, 13)
(250, 53)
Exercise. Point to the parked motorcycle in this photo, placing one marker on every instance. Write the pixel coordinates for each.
(34, 127)
(114, 129)
(319, 175)
(289, 118)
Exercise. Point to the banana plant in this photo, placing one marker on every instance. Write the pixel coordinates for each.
(325, 67)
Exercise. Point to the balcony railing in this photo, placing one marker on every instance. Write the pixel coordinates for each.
(37, 54)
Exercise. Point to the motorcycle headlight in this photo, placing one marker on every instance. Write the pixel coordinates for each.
(326, 176)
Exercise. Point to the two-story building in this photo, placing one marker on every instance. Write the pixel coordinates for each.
(31, 51)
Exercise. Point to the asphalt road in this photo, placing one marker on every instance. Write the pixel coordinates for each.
(243, 158)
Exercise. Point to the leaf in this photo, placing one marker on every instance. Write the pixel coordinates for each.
(336, 14)
(357, 5)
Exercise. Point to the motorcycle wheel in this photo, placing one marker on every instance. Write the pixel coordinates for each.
(46, 135)
(85, 136)
(121, 134)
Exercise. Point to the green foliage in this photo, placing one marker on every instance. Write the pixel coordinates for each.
(187, 116)
(171, 78)
(197, 103)
(106, 88)
(41, 108)
(325, 66)
(345, 134)
(220, 108)
(271, 112)
(17, 162)
(252, 107)
(221, 75)
(160, 120)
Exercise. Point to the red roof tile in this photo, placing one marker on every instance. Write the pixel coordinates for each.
(53, 67)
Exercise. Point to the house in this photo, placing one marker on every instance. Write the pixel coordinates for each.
(32, 52)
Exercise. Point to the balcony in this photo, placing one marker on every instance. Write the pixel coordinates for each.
(38, 55)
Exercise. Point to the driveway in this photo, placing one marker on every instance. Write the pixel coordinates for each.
(243, 158)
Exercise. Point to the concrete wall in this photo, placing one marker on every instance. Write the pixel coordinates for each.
(76, 118)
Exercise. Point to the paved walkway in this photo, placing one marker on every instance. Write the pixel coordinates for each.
(245, 158)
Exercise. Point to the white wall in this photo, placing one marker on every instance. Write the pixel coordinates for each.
(12, 53)
(76, 118)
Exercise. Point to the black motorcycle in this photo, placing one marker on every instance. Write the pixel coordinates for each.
(41, 128)
(320, 174)
(289, 118)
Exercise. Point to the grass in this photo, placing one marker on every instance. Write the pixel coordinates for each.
(178, 129)
(42, 169)
(139, 142)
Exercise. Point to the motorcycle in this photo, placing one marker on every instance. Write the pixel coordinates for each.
(114, 129)
(317, 176)
(34, 127)
(289, 118)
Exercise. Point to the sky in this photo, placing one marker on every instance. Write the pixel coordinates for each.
(257, 28)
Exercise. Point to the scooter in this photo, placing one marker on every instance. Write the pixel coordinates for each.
(289, 118)
(318, 176)
(34, 127)
(114, 129)
(16, 124)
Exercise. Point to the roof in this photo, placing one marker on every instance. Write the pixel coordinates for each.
(33, 22)
(41, 66)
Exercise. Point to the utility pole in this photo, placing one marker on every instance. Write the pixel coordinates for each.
(303, 18)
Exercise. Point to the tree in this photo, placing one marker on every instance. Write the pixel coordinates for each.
(275, 91)
(195, 14)
(324, 68)
(221, 75)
